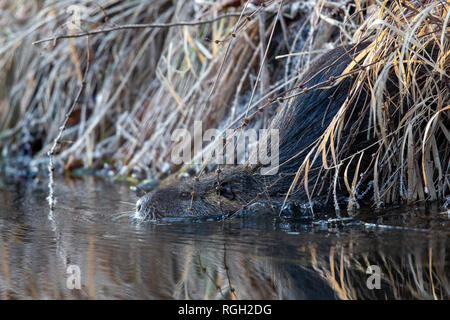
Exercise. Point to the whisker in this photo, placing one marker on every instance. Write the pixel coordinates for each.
(137, 219)
(125, 212)
(128, 202)
(128, 214)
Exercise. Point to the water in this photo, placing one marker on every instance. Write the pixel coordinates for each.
(261, 257)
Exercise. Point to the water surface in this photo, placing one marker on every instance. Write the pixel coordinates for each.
(261, 257)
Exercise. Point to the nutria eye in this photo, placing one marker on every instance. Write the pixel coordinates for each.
(225, 191)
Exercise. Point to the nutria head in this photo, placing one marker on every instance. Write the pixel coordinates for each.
(212, 195)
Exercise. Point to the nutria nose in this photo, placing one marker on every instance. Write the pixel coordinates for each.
(140, 209)
(138, 206)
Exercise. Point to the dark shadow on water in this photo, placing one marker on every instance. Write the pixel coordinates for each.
(249, 257)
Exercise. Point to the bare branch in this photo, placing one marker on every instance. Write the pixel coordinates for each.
(137, 26)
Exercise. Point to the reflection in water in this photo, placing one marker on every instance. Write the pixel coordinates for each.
(247, 258)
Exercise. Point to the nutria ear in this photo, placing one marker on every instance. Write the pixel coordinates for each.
(225, 190)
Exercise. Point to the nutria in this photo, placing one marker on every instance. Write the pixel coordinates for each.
(300, 123)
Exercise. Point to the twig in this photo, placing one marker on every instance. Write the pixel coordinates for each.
(51, 167)
(51, 152)
(137, 26)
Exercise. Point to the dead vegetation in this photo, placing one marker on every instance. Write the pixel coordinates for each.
(409, 50)
(145, 81)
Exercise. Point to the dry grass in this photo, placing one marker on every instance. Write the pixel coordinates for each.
(409, 129)
(143, 83)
